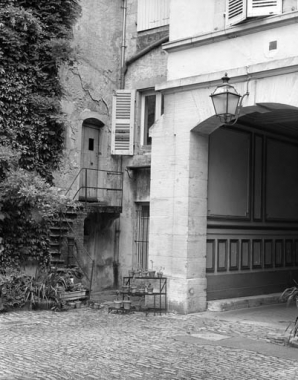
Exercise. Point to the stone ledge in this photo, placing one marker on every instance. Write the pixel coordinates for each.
(243, 302)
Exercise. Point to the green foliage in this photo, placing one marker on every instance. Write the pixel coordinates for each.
(16, 288)
(34, 41)
(28, 206)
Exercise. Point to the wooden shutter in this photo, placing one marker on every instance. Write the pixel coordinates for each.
(257, 8)
(152, 14)
(236, 11)
(123, 122)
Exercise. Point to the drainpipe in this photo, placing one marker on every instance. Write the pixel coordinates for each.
(123, 45)
(143, 52)
(122, 85)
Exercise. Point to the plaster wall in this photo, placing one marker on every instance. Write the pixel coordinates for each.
(88, 82)
(196, 17)
(242, 51)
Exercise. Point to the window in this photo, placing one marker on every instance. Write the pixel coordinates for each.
(151, 110)
(152, 14)
(240, 10)
(142, 236)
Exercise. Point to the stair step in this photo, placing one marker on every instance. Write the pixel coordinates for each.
(59, 228)
(55, 260)
(65, 220)
(54, 251)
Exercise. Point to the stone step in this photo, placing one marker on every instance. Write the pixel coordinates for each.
(244, 302)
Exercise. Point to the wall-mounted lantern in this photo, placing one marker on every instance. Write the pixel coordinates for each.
(227, 102)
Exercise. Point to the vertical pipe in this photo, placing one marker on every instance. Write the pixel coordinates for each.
(85, 187)
(122, 85)
(91, 279)
(123, 45)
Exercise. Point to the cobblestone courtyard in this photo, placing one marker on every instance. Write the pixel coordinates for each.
(93, 344)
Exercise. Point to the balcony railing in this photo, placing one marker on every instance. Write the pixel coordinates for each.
(104, 187)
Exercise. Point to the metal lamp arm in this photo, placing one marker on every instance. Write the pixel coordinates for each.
(239, 108)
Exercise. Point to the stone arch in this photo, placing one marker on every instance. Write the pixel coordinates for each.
(260, 111)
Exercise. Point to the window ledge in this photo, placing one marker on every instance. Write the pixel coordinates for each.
(233, 32)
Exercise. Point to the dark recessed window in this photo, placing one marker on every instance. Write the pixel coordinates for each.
(91, 144)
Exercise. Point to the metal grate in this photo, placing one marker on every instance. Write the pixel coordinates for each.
(142, 236)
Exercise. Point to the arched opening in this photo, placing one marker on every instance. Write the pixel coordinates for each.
(90, 154)
(252, 218)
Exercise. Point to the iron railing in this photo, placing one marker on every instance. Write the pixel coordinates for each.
(102, 186)
(108, 192)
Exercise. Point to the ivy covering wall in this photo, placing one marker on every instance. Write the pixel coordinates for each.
(35, 39)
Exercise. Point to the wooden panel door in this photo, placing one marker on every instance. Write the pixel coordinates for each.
(89, 164)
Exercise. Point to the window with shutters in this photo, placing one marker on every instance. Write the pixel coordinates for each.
(151, 110)
(240, 10)
(123, 122)
(152, 14)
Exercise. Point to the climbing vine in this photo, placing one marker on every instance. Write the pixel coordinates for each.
(35, 39)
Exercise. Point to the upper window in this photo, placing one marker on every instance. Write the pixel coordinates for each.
(152, 14)
(240, 10)
(151, 109)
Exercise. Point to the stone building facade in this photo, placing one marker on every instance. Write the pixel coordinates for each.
(111, 53)
(213, 205)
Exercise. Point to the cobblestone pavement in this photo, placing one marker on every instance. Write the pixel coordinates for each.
(94, 344)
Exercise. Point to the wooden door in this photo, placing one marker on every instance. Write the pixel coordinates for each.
(89, 164)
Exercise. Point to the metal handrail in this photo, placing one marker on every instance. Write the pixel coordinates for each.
(98, 170)
(70, 228)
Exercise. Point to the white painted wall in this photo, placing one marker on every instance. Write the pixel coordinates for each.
(232, 53)
(190, 18)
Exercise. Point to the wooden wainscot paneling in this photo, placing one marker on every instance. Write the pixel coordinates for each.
(245, 254)
(234, 255)
(222, 255)
(210, 267)
(289, 253)
(268, 253)
(229, 174)
(249, 283)
(257, 261)
(281, 181)
(279, 253)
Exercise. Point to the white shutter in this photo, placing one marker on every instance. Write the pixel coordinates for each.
(263, 7)
(152, 14)
(123, 122)
(236, 11)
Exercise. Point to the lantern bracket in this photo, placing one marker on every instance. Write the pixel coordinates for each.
(227, 102)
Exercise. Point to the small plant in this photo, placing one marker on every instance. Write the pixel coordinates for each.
(117, 295)
(117, 301)
(290, 294)
(150, 288)
(160, 272)
(293, 329)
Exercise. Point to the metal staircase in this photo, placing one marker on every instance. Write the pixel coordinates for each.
(64, 248)
(60, 233)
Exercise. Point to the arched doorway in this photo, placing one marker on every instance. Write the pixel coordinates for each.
(90, 151)
(252, 220)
